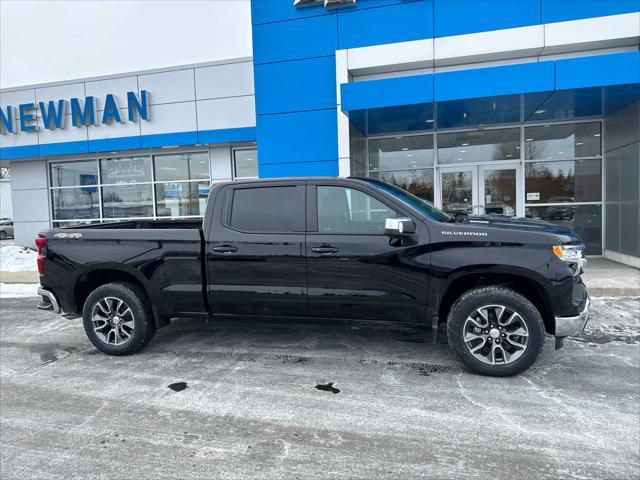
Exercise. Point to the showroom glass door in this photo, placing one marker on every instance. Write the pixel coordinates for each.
(458, 190)
(479, 190)
(500, 190)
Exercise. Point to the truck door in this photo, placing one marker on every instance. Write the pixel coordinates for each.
(255, 251)
(353, 269)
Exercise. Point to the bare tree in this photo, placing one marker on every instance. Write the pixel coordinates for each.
(4, 173)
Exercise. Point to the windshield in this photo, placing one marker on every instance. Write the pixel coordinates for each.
(422, 206)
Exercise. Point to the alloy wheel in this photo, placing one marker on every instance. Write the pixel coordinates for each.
(496, 334)
(113, 321)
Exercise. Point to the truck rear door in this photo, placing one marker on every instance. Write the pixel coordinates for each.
(255, 252)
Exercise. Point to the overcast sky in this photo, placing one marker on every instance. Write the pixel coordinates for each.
(47, 41)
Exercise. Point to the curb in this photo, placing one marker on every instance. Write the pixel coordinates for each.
(19, 277)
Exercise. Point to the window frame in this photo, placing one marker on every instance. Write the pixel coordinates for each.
(233, 163)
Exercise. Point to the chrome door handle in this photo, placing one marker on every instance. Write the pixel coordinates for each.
(225, 249)
(324, 250)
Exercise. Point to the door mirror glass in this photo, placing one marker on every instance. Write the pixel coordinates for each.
(398, 227)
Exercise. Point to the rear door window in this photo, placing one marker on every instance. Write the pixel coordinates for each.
(268, 209)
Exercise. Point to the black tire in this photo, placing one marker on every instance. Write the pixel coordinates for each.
(474, 299)
(140, 317)
(3, 235)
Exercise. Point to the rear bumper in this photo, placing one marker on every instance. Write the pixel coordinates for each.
(567, 326)
(49, 301)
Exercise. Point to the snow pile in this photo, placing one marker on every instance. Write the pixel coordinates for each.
(18, 290)
(17, 259)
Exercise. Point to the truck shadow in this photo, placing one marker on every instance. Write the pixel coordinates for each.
(299, 340)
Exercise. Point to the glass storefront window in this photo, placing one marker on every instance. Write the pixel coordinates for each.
(75, 203)
(70, 174)
(564, 181)
(70, 223)
(398, 153)
(418, 182)
(184, 166)
(479, 146)
(551, 142)
(127, 201)
(585, 220)
(181, 199)
(245, 163)
(125, 170)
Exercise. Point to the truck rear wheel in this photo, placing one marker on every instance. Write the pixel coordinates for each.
(495, 331)
(117, 318)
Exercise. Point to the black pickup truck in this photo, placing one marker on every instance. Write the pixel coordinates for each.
(329, 248)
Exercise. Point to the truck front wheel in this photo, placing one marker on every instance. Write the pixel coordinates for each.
(495, 331)
(117, 318)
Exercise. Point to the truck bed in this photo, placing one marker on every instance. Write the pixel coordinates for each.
(164, 256)
(191, 223)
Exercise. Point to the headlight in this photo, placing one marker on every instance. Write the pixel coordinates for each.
(570, 253)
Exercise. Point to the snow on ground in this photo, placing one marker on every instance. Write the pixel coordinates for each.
(17, 259)
(18, 290)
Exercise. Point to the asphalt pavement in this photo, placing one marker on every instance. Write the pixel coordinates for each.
(260, 399)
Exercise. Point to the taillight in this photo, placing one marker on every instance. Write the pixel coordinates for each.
(40, 243)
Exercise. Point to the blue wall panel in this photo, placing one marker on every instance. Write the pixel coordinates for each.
(457, 17)
(246, 134)
(26, 151)
(300, 169)
(387, 92)
(599, 70)
(169, 139)
(297, 85)
(486, 82)
(296, 39)
(365, 4)
(115, 144)
(297, 137)
(64, 148)
(395, 23)
(266, 11)
(563, 10)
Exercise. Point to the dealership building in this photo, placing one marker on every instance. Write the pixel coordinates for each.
(520, 108)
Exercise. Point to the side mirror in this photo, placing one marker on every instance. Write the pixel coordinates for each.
(399, 227)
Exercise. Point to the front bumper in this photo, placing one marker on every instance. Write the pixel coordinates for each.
(567, 326)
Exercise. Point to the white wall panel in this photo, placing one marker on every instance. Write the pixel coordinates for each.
(17, 97)
(591, 33)
(117, 86)
(487, 46)
(377, 58)
(170, 118)
(25, 233)
(169, 87)
(67, 134)
(31, 205)
(220, 163)
(6, 210)
(343, 135)
(230, 80)
(342, 72)
(220, 113)
(60, 92)
(19, 139)
(28, 175)
(115, 130)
